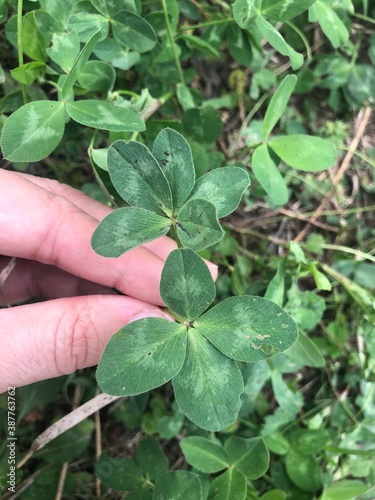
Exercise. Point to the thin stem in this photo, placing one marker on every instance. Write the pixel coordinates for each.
(360, 155)
(172, 42)
(175, 235)
(253, 111)
(19, 44)
(363, 17)
(214, 22)
(353, 251)
(303, 38)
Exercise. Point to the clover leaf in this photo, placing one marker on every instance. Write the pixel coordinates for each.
(161, 190)
(199, 352)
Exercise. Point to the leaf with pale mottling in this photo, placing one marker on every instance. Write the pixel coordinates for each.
(208, 387)
(245, 11)
(141, 356)
(250, 456)
(197, 225)
(132, 31)
(137, 177)
(125, 229)
(104, 116)
(33, 131)
(186, 284)
(248, 328)
(204, 454)
(284, 10)
(173, 154)
(178, 485)
(228, 486)
(223, 187)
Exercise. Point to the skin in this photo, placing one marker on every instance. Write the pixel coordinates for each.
(47, 226)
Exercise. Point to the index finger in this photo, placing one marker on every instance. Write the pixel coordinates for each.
(39, 225)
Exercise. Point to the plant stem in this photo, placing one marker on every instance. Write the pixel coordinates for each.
(19, 44)
(175, 235)
(214, 22)
(172, 42)
(303, 38)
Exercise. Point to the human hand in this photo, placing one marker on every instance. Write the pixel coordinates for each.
(48, 226)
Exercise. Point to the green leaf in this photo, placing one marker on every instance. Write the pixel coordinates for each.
(122, 474)
(306, 441)
(185, 97)
(127, 228)
(197, 225)
(133, 31)
(276, 287)
(305, 352)
(332, 26)
(186, 284)
(250, 456)
(345, 489)
(33, 131)
(111, 52)
(59, 11)
(28, 73)
(274, 38)
(104, 116)
(209, 385)
(178, 485)
(228, 486)
(110, 8)
(205, 455)
(79, 63)
(288, 400)
(284, 10)
(223, 187)
(33, 41)
(268, 175)
(275, 494)
(64, 49)
(151, 459)
(245, 11)
(173, 154)
(248, 328)
(303, 470)
(277, 105)
(202, 125)
(305, 152)
(194, 42)
(97, 76)
(239, 46)
(296, 249)
(305, 307)
(137, 177)
(86, 24)
(361, 84)
(141, 356)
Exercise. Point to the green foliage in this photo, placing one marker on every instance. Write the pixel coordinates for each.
(180, 104)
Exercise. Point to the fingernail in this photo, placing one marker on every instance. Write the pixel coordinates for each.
(150, 313)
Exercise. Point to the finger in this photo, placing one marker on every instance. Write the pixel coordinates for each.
(161, 247)
(38, 225)
(60, 336)
(31, 279)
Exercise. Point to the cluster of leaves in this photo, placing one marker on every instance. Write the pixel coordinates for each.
(301, 424)
(150, 352)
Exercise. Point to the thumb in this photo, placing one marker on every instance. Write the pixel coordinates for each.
(49, 339)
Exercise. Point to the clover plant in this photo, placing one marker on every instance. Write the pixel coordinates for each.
(201, 350)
